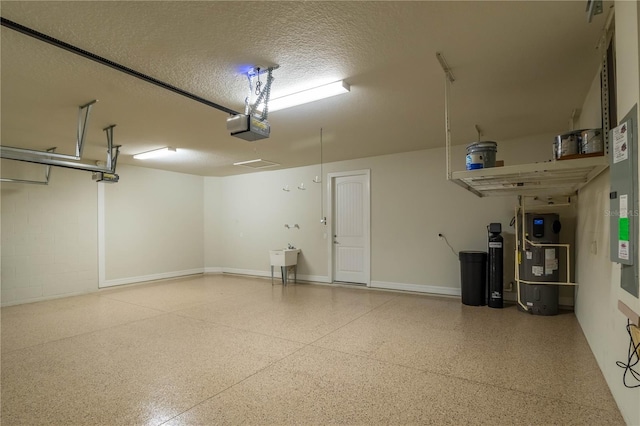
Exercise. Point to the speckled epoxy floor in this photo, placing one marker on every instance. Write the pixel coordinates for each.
(220, 349)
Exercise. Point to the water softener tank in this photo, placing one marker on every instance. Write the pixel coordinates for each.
(495, 267)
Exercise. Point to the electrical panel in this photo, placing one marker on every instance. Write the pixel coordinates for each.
(623, 199)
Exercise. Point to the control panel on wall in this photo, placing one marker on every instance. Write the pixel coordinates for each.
(623, 199)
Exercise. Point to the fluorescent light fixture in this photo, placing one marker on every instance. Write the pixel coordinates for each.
(156, 153)
(310, 95)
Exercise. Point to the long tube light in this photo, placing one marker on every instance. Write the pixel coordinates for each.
(310, 95)
(156, 153)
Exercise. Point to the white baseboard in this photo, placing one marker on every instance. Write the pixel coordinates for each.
(209, 270)
(252, 272)
(418, 288)
(511, 296)
(315, 278)
(449, 291)
(45, 298)
(152, 277)
(267, 274)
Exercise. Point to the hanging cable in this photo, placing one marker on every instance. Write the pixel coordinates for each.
(632, 360)
(447, 243)
(322, 218)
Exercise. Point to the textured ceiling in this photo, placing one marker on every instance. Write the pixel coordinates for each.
(521, 68)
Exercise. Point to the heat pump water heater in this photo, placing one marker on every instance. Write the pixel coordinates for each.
(539, 263)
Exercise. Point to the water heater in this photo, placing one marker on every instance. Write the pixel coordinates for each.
(539, 263)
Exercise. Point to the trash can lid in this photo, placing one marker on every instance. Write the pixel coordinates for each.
(477, 256)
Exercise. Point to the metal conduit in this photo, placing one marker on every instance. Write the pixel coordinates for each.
(48, 158)
(60, 163)
(47, 175)
(81, 52)
(32, 182)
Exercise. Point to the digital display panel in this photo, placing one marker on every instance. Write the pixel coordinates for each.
(538, 227)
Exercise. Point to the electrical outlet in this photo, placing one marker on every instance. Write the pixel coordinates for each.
(635, 336)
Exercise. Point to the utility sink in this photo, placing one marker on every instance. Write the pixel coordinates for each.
(284, 257)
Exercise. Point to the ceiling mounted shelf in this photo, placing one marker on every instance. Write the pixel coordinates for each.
(558, 178)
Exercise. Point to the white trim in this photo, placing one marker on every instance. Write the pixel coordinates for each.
(451, 291)
(213, 270)
(251, 272)
(315, 278)
(417, 288)
(367, 214)
(102, 263)
(276, 274)
(566, 301)
(349, 173)
(45, 298)
(152, 277)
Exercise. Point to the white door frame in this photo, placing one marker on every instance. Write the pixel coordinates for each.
(367, 214)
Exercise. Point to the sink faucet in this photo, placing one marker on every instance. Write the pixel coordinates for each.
(290, 247)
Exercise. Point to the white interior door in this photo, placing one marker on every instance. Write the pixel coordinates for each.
(351, 228)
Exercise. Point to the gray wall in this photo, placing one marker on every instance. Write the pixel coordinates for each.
(75, 235)
(67, 237)
(49, 234)
(411, 202)
(599, 279)
(152, 226)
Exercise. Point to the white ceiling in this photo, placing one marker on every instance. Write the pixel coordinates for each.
(521, 67)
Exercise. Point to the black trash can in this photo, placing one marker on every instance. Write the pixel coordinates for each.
(473, 274)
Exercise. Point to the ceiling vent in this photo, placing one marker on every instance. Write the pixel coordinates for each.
(256, 164)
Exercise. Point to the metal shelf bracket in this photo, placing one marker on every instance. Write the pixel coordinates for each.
(51, 158)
